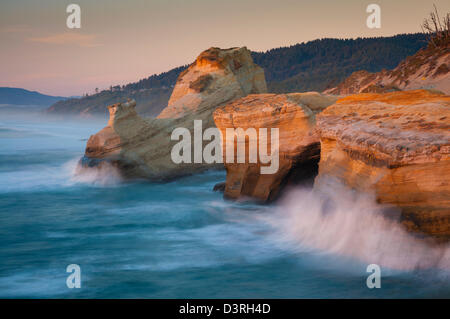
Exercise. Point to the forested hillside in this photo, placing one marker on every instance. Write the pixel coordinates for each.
(151, 95)
(320, 64)
(312, 66)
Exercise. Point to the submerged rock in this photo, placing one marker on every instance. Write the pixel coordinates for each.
(141, 148)
(219, 187)
(299, 148)
(396, 145)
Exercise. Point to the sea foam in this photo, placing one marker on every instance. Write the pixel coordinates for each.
(103, 175)
(337, 220)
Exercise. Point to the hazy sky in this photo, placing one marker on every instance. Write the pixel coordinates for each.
(123, 41)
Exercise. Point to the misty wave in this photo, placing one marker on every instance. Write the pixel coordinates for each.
(337, 220)
(104, 175)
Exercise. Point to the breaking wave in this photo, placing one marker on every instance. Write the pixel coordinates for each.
(103, 175)
(336, 220)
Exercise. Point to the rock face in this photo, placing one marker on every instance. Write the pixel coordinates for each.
(141, 148)
(217, 76)
(429, 69)
(396, 145)
(299, 147)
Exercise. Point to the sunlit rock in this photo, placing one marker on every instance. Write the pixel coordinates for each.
(396, 145)
(299, 148)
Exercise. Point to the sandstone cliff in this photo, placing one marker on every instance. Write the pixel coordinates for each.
(299, 147)
(217, 76)
(141, 147)
(427, 69)
(396, 145)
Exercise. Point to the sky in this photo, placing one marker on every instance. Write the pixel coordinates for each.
(124, 41)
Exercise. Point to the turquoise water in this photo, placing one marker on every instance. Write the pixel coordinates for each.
(181, 239)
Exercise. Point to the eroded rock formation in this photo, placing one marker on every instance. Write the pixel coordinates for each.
(142, 147)
(396, 145)
(217, 76)
(299, 148)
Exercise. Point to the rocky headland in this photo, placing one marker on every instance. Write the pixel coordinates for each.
(141, 148)
(394, 145)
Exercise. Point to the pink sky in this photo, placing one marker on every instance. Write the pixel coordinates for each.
(123, 41)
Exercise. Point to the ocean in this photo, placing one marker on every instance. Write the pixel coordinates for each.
(137, 239)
